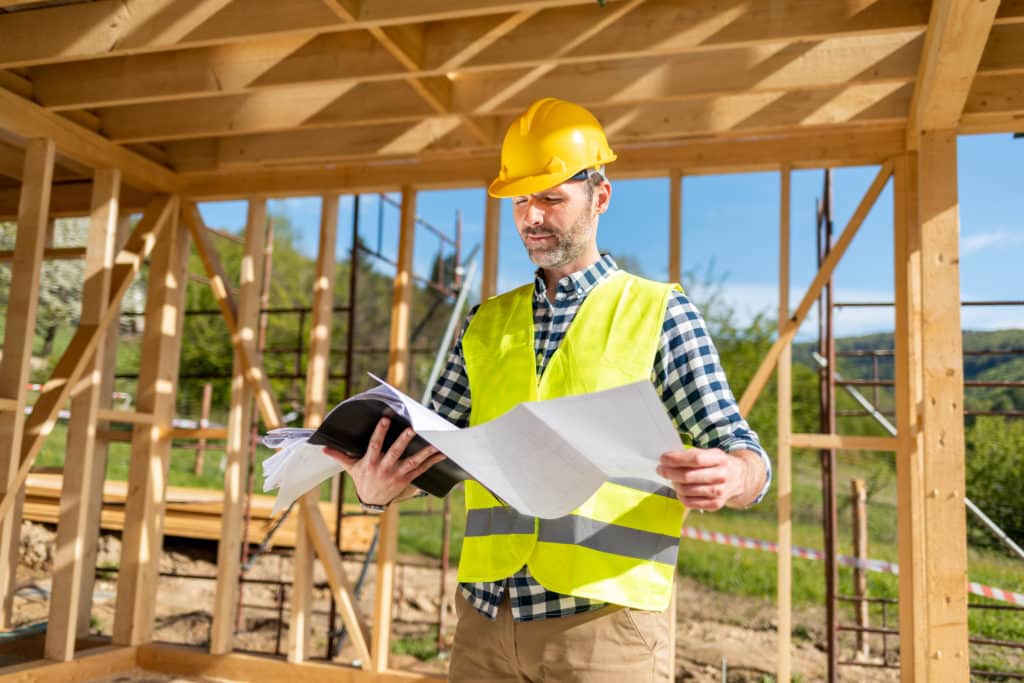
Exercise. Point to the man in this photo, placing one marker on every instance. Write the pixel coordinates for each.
(582, 598)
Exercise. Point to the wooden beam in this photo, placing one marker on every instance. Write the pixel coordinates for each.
(299, 631)
(27, 119)
(944, 522)
(957, 32)
(805, 149)
(675, 226)
(843, 442)
(112, 27)
(343, 595)
(229, 549)
(398, 375)
(910, 491)
(142, 539)
(193, 662)
(19, 332)
(94, 510)
(78, 494)
(783, 454)
(492, 246)
(71, 200)
(50, 254)
(92, 664)
(244, 347)
(994, 99)
(828, 266)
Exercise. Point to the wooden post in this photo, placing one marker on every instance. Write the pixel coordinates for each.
(492, 239)
(204, 423)
(945, 516)
(317, 369)
(398, 375)
(19, 331)
(77, 492)
(675, 226)
(859, 494)
(239, 422)
(99, 464)
(784, 475)
(908, 396)
(142, 539)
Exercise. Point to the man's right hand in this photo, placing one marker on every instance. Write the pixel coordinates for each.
(381, 477)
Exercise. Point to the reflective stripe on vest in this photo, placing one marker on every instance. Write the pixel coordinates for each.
(621, 545)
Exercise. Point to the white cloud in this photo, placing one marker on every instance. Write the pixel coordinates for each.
(970, 244)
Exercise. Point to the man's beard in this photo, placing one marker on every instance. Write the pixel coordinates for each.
(565, 247)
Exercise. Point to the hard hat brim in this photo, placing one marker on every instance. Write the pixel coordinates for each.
(519, 187)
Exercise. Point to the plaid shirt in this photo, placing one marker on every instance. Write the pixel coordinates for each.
(686, 373)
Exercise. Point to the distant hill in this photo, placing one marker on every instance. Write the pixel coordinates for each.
(1003, 366)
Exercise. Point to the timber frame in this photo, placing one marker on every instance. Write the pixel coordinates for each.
(112, 107)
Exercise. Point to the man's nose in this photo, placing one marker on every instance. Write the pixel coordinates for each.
(534, 215)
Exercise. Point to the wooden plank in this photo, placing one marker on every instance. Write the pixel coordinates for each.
(27, 119)
(398, 376)
(343, 595)
(843, 442)
(804, 149)
(492, 245)
(675, 226)
(945, 517)
(910, 500)
(240, 416)
(109, 27)
(957, 32)
(792, 325)
(57, 388)
(91, 665)
(783, 454)
(244, 347)
(193, 662)
(142, 539)
(72, 200)
(99, 471)
(78, 494)
(50, 254)
(125, 416)
(300, 626)
(19, 331)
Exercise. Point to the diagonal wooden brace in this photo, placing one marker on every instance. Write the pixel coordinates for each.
(328, 552)
(255, 375)
(789, 330)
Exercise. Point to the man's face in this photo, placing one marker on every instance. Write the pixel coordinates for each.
(556, 225)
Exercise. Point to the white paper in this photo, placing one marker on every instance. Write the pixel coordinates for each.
(543, 458)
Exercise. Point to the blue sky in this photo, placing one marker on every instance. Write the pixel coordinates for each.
(730, 225)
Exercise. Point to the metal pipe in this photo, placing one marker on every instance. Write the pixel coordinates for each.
(889, 427)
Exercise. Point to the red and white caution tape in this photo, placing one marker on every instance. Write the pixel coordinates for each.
(812, 554)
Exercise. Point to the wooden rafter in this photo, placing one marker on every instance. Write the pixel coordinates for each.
(953, 46)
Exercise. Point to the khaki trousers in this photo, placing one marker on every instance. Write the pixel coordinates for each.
(609, 645)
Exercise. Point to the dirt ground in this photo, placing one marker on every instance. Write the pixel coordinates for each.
(714, 630)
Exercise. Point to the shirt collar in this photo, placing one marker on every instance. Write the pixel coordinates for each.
(576, 285)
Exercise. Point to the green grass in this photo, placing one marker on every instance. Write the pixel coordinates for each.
(421, 646)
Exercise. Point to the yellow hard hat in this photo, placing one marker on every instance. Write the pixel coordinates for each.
(549, 143)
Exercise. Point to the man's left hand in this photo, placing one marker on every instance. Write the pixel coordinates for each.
(707, 478)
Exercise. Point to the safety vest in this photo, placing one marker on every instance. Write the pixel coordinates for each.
(621, 545)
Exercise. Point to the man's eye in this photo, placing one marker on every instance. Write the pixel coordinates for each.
(552, 200)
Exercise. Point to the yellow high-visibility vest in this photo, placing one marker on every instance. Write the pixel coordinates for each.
(621, 545)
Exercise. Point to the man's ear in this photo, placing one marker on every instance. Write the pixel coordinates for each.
(602, 197)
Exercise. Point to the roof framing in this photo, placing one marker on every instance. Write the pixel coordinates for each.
(219, 96)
